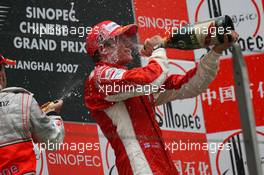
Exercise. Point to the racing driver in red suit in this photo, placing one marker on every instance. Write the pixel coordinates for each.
(125, 112)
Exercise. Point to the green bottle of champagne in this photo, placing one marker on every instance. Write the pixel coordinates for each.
(200, 35)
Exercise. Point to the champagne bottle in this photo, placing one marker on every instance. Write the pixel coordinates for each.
(200, 35)
(45, 107)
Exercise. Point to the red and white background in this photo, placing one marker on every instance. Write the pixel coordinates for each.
(212, 117)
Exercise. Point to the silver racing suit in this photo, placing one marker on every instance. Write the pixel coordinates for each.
(22, 122)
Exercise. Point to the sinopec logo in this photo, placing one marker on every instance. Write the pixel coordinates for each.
(233, 161)
(159, 23)
(179, 121)
(181, 115)
(246, 12)
(246, 15)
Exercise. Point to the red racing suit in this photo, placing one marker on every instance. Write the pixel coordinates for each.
(22, 122)
(126, 115)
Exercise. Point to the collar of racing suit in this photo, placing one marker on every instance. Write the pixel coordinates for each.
(101, 63)
(15, 90)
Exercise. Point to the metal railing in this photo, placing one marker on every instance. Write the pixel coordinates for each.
(246, 111)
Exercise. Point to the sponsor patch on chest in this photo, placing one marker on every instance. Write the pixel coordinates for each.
(4, 103)
(112, 74)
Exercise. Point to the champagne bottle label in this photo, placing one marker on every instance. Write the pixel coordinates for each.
(200, 35)
(183, 38)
